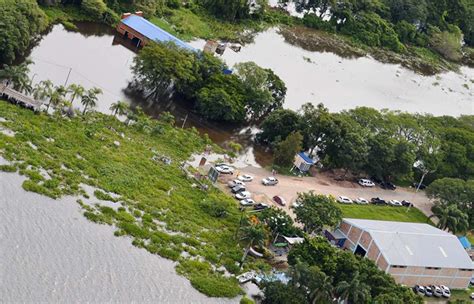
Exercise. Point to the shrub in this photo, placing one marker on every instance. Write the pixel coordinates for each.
(246, 300)
(7, 168)
(95, 8)
(216, 286)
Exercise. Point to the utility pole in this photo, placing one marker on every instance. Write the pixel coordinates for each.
(67, 78)
(184, 122)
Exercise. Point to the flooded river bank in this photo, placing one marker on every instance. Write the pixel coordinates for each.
(52, 254)
(95, 56)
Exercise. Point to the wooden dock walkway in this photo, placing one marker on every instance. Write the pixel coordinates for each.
(18, 98)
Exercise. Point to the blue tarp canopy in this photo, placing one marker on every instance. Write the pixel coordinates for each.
(464, 242)
(306, 158)
(153, 32)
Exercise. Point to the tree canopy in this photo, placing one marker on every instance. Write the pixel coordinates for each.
(316, 211)
(320, 273)
(20, 22)
(384, 144)
(163, 71)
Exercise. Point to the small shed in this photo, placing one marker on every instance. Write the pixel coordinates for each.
(303, 162)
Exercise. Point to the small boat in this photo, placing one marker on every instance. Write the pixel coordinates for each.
(246, 276)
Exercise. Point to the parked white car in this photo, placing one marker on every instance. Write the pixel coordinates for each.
(395, 203)
(247, 202)
(235, 182)
(246, 178)
(361, 201)
(344, 200)
(270, 181)
(366, 182)
(243, 195)
(446, 291)
(225, 169)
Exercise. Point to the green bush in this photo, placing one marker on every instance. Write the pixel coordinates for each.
(7, 168)
(246, 300)
(216, 286)
(95, 8)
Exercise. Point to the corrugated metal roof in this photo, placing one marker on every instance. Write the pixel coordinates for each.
(415, 244)
(306, 158)
(153, 32)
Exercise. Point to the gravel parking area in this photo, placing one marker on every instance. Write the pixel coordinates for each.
(289, 186)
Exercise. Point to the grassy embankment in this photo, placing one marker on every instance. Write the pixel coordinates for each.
(158, 207)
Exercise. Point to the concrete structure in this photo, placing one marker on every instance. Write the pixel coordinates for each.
(412, 253)
(142, 31)
(19, 98)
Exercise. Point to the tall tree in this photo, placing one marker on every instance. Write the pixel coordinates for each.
(316, 211)
(278, 125)
(89, 99)
(286, 150)
(119, 108)
(17, 75)
(451, 218)
(265, 91)
(354, 291)
(21, 21)
(252, 234)
(312, 282)
(76, 91)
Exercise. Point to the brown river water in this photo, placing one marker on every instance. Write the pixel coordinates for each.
(95, 56)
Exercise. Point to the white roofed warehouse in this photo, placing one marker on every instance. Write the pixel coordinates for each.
(412, 253)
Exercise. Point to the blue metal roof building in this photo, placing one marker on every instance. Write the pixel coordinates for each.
(464, 242)
(153, 32)
(306, 158)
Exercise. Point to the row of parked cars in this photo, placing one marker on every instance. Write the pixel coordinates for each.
(374, 200)
(433, 290)
(237, 187)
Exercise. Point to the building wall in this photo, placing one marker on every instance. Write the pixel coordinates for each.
(410, 276)
(122, 29)
(407, 275)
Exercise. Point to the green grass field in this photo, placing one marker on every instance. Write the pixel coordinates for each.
(384, 213)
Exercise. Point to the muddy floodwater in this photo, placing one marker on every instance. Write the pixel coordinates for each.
(342, 83)
(52, 254)
(95, 56)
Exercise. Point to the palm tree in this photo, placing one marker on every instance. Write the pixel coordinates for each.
(18, 76)
(451, 218)
(253, 235)
(89, 99)
(76, 90)
(42, 90)
(119, 108)
(314, 283)
(354, 290)
(322, 291)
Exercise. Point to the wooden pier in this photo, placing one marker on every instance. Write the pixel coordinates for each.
(16, 97)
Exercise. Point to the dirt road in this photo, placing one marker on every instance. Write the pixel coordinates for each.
(289, 186)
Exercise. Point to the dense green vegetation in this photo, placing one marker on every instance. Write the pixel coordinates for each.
(384, 144)
(165, 71)
(157, 205)
(20, 22)
(316, 212)
(320, 273)
(394, 24)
